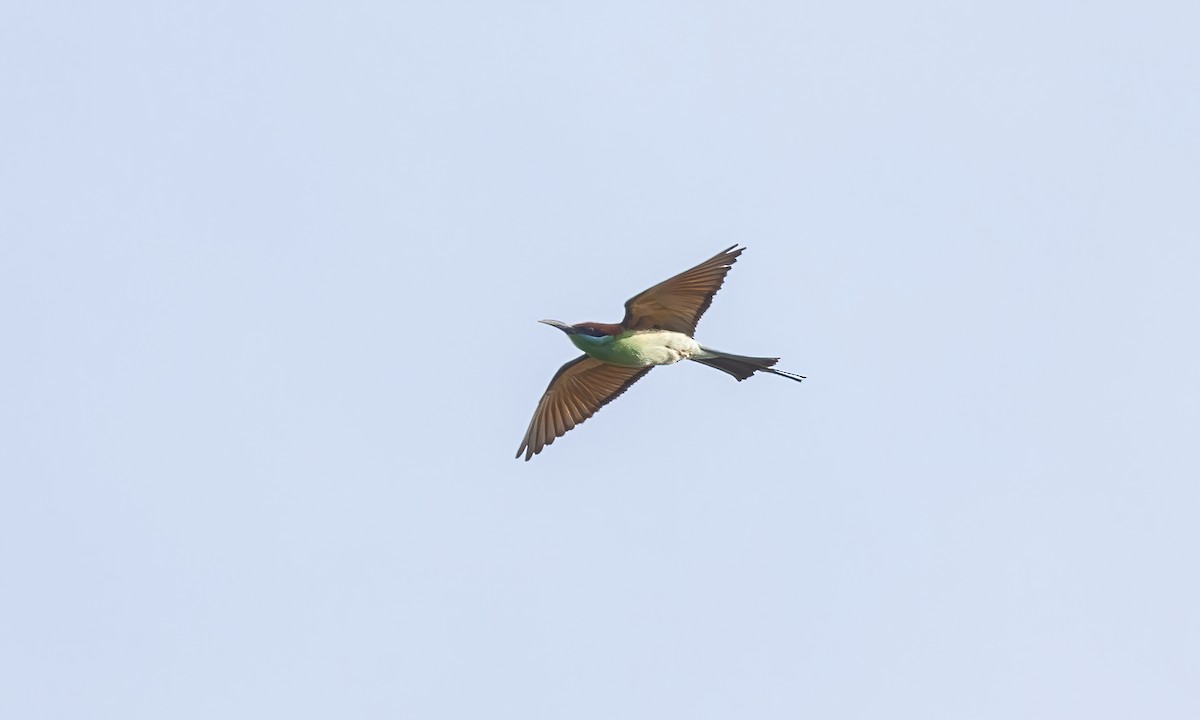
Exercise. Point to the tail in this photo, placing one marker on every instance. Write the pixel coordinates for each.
(742, 367)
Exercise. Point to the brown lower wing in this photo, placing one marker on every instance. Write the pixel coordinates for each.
(677, 304)
(578, 390)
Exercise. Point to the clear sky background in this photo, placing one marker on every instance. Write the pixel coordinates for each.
(269, 281)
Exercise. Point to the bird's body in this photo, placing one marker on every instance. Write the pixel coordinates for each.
(658, 329)
(639, 348)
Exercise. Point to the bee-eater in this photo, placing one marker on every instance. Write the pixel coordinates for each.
(657, 330)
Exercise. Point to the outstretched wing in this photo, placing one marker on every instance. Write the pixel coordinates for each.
(678, 303)
(578, 390)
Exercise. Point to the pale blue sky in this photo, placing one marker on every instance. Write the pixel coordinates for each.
(269, 282)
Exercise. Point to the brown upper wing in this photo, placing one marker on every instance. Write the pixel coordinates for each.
(578, 390)
(678, 303)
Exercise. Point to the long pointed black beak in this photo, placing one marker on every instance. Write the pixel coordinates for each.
(560, 325)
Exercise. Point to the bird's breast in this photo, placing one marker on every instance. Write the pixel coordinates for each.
(642, 348)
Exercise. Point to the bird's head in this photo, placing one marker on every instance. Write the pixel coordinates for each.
(587, 332)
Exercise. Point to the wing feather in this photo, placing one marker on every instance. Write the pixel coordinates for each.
(677, 303)
(577, 391)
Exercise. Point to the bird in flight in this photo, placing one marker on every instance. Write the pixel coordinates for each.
(657, 330)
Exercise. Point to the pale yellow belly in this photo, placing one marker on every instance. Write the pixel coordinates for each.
(643, 349)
